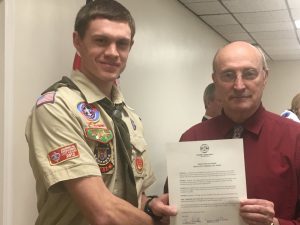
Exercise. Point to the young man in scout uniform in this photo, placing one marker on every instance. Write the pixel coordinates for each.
(87, 149)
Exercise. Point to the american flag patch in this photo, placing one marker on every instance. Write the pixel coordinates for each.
(48, 97)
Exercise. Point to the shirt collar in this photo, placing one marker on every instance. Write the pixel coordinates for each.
(253, 124)
(91, 92)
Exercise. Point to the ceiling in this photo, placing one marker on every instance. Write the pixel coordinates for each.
(268, 24)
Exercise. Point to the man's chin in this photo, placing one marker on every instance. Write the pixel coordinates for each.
(110, 75)
(241, 106)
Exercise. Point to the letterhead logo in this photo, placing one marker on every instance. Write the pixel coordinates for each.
(204, 148)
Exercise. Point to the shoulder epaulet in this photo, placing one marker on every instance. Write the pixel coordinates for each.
(64, 82)
(48, 96)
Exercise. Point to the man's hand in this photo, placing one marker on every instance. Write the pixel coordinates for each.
(160, 207)
(258, 212)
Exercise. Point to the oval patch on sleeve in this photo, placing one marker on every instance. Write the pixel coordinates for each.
(63, 154)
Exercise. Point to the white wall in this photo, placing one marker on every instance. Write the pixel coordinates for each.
(283, 85)
(42, 52)
(168, 69)
(1, 102)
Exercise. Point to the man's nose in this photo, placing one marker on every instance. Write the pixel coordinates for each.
(112, 50)
(239, 82)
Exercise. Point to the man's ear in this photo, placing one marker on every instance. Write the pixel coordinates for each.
(132, 42)
(266, 73)
(76, 41)
(266, 76)
(213, 77)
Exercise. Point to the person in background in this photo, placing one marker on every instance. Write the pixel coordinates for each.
(86, 145)
(294, 112)
(212, 102)
(271, 143)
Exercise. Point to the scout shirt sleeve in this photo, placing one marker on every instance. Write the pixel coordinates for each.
(54, 129)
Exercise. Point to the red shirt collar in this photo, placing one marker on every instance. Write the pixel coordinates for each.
(253, 124)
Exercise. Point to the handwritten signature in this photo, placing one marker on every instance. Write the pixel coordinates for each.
(192, 219)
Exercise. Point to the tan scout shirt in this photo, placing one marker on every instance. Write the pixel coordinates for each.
(69, 138)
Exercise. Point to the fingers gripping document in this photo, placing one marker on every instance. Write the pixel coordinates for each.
(206, 181)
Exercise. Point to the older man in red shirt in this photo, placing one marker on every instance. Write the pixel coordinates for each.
(271, 143)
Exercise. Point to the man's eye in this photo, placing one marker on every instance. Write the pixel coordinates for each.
(123, 44)
(228, 76)
(250, 74)
(102, 41)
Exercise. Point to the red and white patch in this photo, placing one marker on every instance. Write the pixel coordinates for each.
(48, 97)
(139, 164)
(63, 154)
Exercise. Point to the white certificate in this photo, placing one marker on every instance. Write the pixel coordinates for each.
(206, 181)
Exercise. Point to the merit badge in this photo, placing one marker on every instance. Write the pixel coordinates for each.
(102, 135)
(139, 164)
(104, 158)
(48, 97)
(62, 154)
(89, 111)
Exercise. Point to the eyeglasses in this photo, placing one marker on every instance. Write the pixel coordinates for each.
(247, 74)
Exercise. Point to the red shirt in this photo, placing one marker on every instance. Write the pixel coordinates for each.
(272, 158)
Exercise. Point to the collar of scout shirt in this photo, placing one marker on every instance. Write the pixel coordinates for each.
(91, 91)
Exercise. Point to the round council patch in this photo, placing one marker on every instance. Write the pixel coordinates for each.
(89, 111)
